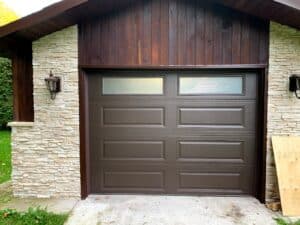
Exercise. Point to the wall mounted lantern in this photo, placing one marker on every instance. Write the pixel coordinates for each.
(53, 85)
(295, 84)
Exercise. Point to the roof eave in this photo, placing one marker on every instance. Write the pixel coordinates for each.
(290, 3)
(70, 12)
(40, 16)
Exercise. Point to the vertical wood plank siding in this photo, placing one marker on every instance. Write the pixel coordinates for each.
(173, 32)
(23, 83)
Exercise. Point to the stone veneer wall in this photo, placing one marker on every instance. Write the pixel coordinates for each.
(46, 153)
(283, 108)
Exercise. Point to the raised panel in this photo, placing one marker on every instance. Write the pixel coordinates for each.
(211, 151)
(209, 180)
(213, 116)
(129, 150)
(132, 179)
(133, 116)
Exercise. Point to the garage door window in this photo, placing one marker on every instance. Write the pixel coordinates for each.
(132, 86)
(210, 85)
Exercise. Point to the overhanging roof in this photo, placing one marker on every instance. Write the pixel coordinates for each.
(69, 12)
(286, 12)
(292, 3)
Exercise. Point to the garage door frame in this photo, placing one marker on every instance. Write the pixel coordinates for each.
(261, 70)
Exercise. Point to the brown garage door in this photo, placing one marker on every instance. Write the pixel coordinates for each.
(172, 132)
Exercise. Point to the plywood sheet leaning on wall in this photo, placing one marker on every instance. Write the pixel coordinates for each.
(287, 159)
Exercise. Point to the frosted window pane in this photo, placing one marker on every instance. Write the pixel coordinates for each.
(211, 85)
(132, 86)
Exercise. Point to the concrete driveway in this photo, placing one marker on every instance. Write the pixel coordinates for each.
(170, 210)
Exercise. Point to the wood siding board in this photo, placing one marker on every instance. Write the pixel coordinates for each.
(112, 48)
(147, 34)
(191, 33)
(254, 43)
(208, 37)
(104, 40)
(164, 32)
(217, 37)
(236, 41)
(92, 39)
(127, 35)
(156, 32)
(200, 34)
(264, 37)
(139, 31)
(119, 50)
(173, 34)
(227, 38)
(245, 41)
(134, 34)
(123, 47)
(182, 33)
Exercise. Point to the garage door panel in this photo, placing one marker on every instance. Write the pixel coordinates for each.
(133, 179)
(128, 150)
(140, 176)
(216, 179)
(209, 180)
(216, 116)
(125, 114)
(213, 150)
(211, 116)
(216, 149)
(133, 116)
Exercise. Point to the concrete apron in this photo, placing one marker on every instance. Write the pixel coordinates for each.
(170, 210)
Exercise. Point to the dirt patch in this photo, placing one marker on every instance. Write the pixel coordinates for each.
(6, 194)
(235, 213)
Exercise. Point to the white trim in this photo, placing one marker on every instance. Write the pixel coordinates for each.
(20, 124)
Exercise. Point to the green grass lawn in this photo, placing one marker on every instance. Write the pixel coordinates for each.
(281, 221)
(31, 217)
(5, 156)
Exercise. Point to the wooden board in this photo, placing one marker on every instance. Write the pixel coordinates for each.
(287, 159)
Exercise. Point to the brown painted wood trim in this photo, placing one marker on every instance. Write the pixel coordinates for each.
(84, 133)
(172, 67)
(23, 84)
(261, 134)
